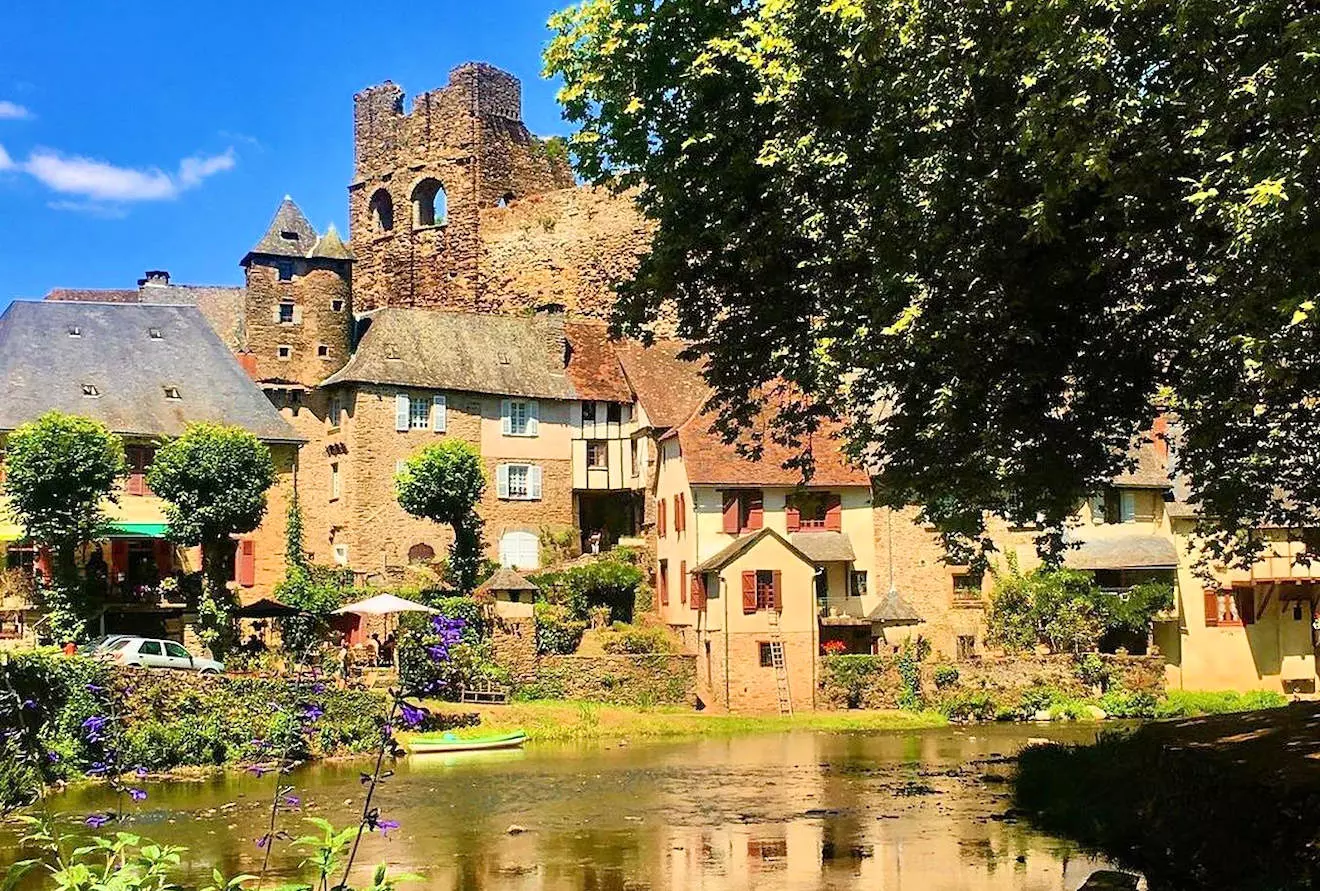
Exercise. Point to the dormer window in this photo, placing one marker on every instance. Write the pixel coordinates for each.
(75, 331)
(154, 333)
(172, 393)
(503, 358)
(289, 236)
(391, 352)
(90, 391)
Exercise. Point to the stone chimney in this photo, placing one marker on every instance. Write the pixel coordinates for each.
(551, 317)
(155, 278)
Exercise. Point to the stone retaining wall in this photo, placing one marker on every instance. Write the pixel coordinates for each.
(652, 679)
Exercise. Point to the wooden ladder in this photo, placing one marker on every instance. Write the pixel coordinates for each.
(781, 670)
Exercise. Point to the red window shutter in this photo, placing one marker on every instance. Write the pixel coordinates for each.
(682, 510)
(756, 511)
(778, 590)
(792, 518)
(731, 513)
(1246, 604)
(698, 591)
(118, 557)
(664, 584)
(246, 565)
(1211, 607)
(164, 557)
(834, 513)
(749, 591)
(137, 483)
(660, 518)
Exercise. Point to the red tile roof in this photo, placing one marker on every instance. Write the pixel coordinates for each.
(593, 367)
(710, 461)
(668, 388)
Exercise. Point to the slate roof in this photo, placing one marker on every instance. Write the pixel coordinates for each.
(472, 352)
(1151, 470)
(330, 246)
(288, 235)
(894, 610)
(594, 369)
(42, 368)
(1137, 550)
(95, 295)
(668, 388)
(506, 579)
(824, 547)
(729, 553)
(221, 305)
(709, 461)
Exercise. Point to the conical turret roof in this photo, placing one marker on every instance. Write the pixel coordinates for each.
(289, 233)
(330, 246)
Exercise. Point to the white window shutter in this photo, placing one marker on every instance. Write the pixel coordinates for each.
(438, 420)
(534, 481)
(575, 420)
(502, 481)
(401, 411)
(533, 417)
(506, 423)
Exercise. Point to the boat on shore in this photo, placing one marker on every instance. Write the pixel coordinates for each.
(448, 742)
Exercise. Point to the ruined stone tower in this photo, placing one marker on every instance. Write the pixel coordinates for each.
(421, 180)
(298, 307)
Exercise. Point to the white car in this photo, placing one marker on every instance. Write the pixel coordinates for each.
(150, 652)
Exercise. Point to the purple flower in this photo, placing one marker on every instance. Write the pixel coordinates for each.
(292, 800)
(94, 688)
(29, 703)
(53, 757)
(263, 841)
(93, 726)
(312, 712)
(97, 769)
(387, 826)
(412, 715)
(257, 769)
(96, 821)
(318, 687)
(137, 794)
(141, 772)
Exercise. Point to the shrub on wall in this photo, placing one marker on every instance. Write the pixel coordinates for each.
(608, 582)
(557, 631)
(852, 675)
(634, 639)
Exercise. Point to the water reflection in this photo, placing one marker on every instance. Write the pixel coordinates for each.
(919, 811)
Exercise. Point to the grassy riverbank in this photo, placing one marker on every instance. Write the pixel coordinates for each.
(1230, 801)
(544, 720)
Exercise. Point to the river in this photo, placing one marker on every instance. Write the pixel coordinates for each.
(914, 810)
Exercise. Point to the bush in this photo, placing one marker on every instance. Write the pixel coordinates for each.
(852, 674)
(1122, 703)
(969, 707)
(610, 581)
(439, 655)
(318, 590)
(632, 639)
(1038, 698)
(1092, 671)
(557, 631)
(945, 676)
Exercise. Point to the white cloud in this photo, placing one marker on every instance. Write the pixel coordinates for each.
(102, 181)
(5, 161)
(91, 208)
(12, 111)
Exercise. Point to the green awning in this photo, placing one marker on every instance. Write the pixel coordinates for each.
(138, 530)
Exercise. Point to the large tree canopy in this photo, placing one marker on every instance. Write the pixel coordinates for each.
(996, 236)
(443, 483)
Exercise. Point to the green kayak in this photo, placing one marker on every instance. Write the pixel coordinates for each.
(448, 742)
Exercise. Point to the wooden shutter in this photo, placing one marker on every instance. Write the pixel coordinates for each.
(534, 482)
(778, 591)
(682, 582)
(664, 584)
(756, 510)
(1211, 607)
(246, 565)
(506, 421)
(118, 557)
(502, 481)
(731, 513)
(660, 507)
(533, 417)
(401, 411)
(833, 513)
(1246, 604)
(137, 470)
(698, 591)
(164, 556)
(678, 513)
(749, 591)
(438, 419)
(792, 518)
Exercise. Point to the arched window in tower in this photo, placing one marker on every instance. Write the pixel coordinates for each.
(381, 210)
(430, 207)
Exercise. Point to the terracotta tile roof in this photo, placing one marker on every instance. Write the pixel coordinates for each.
(730, 552)
(593, 366)
(712, 462)
(668, 388)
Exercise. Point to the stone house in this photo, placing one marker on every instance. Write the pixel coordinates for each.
(145, 371)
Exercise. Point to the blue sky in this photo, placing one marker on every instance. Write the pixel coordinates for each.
(149, 135)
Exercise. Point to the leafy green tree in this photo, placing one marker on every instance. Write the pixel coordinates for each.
(995, 236)
(443, 483)
(60, 471)
(317, 590)
(214, 480)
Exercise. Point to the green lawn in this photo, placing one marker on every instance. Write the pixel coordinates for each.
(560, 720)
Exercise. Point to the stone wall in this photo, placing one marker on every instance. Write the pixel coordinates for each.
(514, 643)
(1003, 678)
(657, 679)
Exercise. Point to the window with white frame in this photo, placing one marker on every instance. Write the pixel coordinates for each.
(341, 554)
(518, 482)
(520, 550)
(335, 411)
(419, 413)
(519, 417)
(334, 481)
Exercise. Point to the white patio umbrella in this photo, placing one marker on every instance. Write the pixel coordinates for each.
(383, 604)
